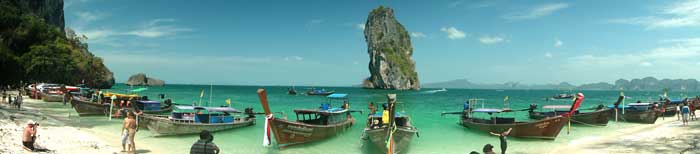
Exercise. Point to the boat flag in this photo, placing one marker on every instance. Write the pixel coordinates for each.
(228, 101)
(266, 131)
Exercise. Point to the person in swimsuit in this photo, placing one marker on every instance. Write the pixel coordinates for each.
(29, 136)
(130, 126)
(502, 137)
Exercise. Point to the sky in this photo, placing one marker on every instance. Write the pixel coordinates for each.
(321, 43)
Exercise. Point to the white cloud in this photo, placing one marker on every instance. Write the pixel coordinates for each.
(679, 54)
(536, 12)
(296, 58)
(677, 14)
(697, 63)
(453, 33)
(417, 35)
(158, 28)
(88, 16)
(313, 23)
(558, 43)
(360, 26)
(455, 3)
(548, 55)
(486, 39)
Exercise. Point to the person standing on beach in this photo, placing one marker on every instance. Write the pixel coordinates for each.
(29, 135)
(205, 144)
(130, 126)
(685, 110)
(65, 94)
(502, 137)
(18, 101)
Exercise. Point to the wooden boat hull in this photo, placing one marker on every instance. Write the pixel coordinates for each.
(289, 133)
(52, 98)
(646, 117)
(162, 126)
(598, 117)
(85, 108)
(547, 128)
(402, 138)
(670, 111)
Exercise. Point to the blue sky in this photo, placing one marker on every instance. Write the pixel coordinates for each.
(321, 42)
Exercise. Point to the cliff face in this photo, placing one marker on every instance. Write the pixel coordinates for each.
(49, 10)
(142, 80)
(389, 46)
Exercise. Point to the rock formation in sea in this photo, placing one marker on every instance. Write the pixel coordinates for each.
(141, 79)
(389, 46)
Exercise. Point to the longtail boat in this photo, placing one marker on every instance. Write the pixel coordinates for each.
(310, 124)
(394, 136)
(195, 119)
(153, 106)
(634, 112)
(322, 92)
(547, 128)
(599, 116)
(52, 97)
(85, 107)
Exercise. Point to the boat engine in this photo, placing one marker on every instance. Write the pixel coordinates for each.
(533, 107)
(249, 112)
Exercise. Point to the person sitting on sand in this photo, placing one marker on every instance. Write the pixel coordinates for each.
(130, 126)
(502, 137)
(488, 149)
(205, 144)
(29, 136)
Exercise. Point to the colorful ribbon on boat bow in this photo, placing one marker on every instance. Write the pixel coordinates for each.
(266, 131)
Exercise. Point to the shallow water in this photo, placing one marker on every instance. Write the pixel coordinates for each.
(438, 134)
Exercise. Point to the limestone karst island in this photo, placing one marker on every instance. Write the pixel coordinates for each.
(327, 77)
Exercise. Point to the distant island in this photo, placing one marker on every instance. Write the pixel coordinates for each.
(643, 84)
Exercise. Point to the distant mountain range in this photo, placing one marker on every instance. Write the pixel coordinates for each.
(643, 84)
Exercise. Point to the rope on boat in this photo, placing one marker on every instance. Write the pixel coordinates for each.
(587, 124)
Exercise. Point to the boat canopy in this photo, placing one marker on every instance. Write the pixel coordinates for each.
(486, 110)
(138, 89)
(148, 101)
(337, 96)
(639, 104)
(209, 109)
(396, 114)
(557, 107)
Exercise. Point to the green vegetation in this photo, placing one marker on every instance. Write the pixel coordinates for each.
(397, 59)
(33, 51)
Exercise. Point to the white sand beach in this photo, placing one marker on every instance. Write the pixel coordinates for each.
(53, 134)
(665, 136)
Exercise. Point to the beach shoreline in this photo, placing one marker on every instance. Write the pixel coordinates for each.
(58, 132)
(63, 131)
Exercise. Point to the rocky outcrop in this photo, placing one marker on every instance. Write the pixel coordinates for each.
(389, 46)
(49, 10)
(142, 80)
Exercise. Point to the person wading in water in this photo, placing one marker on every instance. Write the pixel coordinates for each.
(502, 137)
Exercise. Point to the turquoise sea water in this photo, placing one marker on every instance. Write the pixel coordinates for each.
(438, 134)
